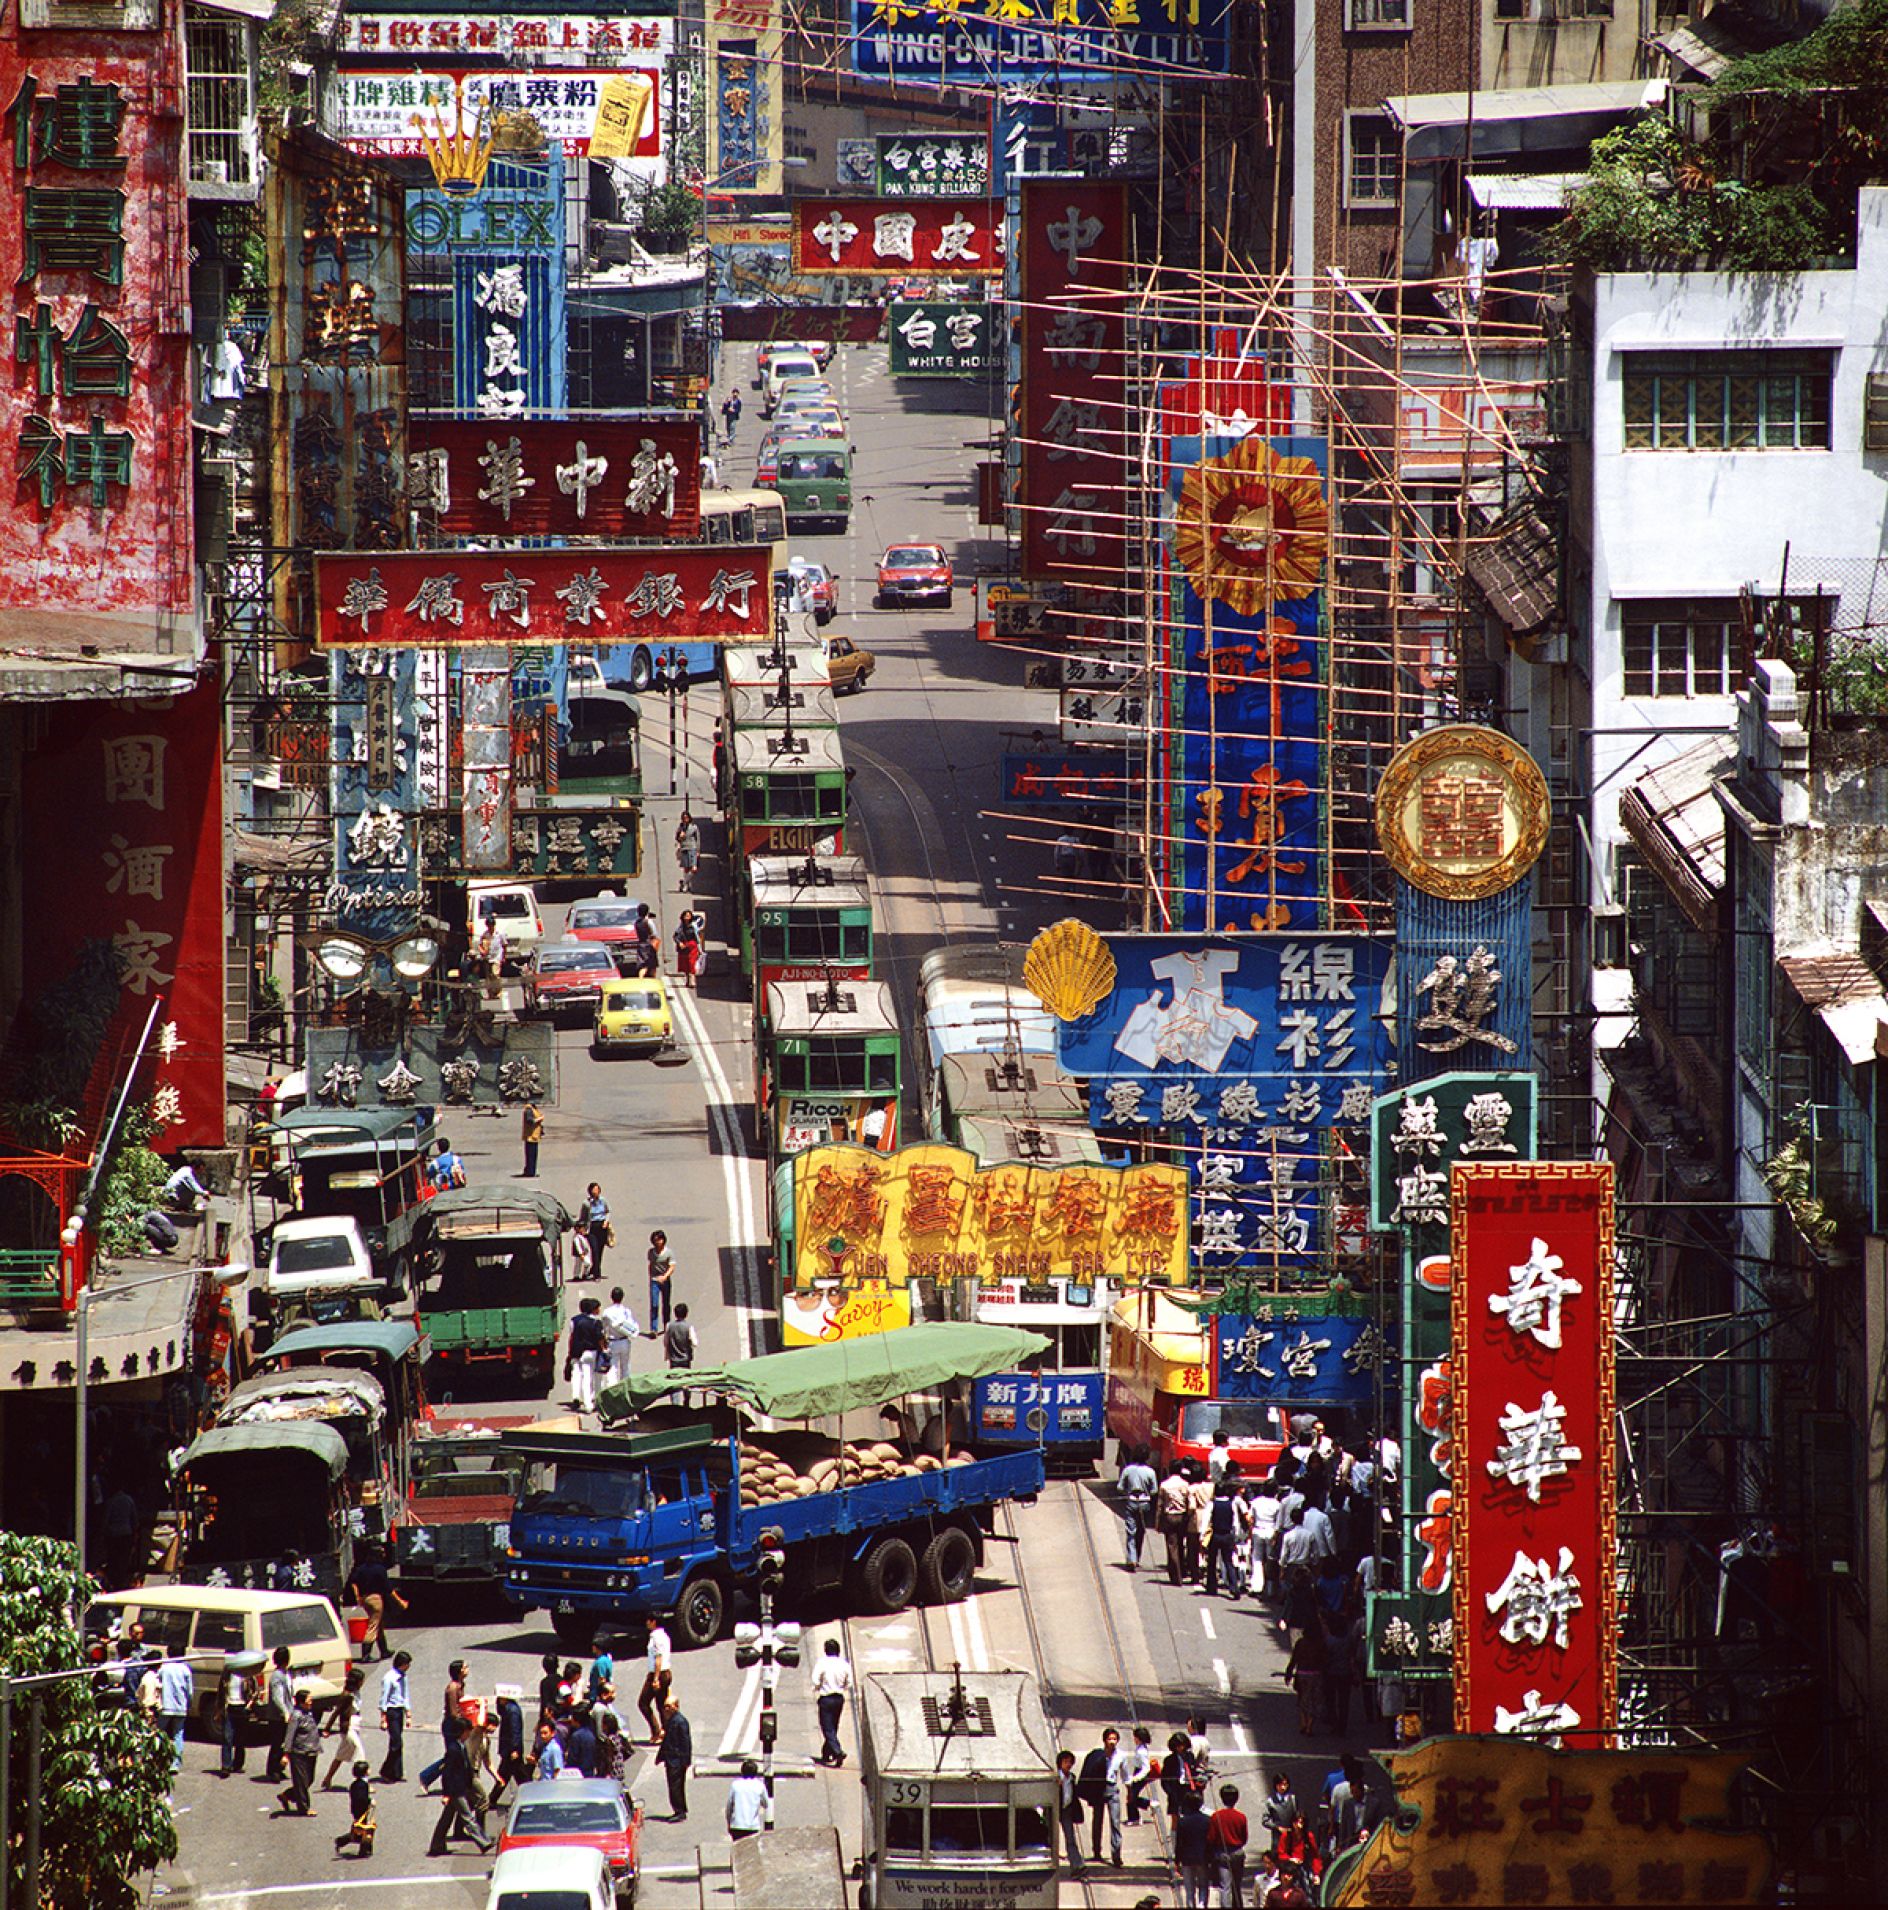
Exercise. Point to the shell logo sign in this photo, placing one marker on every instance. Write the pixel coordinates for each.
(930, 1212)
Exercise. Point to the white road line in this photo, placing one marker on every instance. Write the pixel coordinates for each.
(738, 1191)
(1223, 1677)
(973, 1625)
(322, 1886)
(1206, 1622)
(1240, 1739)
(744, 1723)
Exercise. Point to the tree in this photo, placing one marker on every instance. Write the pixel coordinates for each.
(104, 1790)
(671, 219)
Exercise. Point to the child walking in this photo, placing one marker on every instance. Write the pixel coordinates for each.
(360, 1805)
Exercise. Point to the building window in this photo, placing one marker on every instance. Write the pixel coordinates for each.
(1510, 9)
(1373, 159)
(1678, 648)
(1875, 412)
(1363, 16)
(1728, 401)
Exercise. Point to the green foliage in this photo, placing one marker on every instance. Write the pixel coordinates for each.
(104, 1792)
(1849, 51)
(671, 219)
(52, 1057)
(285, 40)
(133, 1184)
(1655, 201)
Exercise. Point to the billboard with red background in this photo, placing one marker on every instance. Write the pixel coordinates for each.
(1535, 1631)
(128, 799)
(1075, 244)
(900, 238)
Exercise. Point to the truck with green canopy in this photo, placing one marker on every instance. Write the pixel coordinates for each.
(673, 1514)
(485, 1262)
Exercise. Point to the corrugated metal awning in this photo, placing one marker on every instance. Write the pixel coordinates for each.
(1675, 821)
(1524, 191)
(1705, 47)
(1525, 119)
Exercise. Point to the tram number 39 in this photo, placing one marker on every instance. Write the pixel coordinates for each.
(904, 1791)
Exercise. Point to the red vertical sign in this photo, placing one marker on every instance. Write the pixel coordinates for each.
(1532, 1414)
(1075, 241)
(130, 841)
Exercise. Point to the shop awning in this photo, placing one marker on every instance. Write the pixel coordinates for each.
(1844, 994)
(1524, 191)
(1517, 569)
(1527, 119)
(817, 1381)
(1703, 47)
(296, 1435)
(1675, 821)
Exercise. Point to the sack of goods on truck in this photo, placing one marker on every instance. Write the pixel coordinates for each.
(768, 1479)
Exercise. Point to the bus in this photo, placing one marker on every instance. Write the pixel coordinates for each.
(807, 918)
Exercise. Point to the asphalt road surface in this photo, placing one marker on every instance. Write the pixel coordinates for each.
(673, 1145)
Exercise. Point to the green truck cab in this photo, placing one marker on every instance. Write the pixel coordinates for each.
(485, 1260)
(814, 479)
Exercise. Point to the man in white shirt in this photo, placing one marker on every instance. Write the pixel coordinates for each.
(1323, 1532)
(747, 1802)
(619, 1335)
(657, 1678)
(1296, 1545)
(394, 1704)
(832, 1681)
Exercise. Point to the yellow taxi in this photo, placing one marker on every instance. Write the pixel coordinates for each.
(632, 1016)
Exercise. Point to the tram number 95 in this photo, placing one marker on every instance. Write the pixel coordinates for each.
(904, 1791)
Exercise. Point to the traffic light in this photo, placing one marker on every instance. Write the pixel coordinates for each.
(746, 1645)
(786, 1644)
(773, 1572)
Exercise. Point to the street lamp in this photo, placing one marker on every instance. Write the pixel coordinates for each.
(227, 1273)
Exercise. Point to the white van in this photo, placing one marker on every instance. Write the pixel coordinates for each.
(324, 1255)
(781, 367)
(551, 1877)
(512, 910)
(207, 1623)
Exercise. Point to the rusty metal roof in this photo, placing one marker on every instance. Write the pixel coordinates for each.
(1518, 570)
(1825, 980)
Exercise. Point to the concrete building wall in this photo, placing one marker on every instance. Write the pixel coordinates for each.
(1700, 524)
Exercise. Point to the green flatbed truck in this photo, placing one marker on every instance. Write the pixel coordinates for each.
(486, 1260)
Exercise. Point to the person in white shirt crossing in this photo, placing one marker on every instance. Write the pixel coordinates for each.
(832, 1684)
(620, 1333)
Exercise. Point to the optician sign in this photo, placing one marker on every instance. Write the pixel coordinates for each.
(930, 1212)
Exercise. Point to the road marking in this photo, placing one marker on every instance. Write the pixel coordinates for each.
(745, 1721)
(323, 1886)
(1206, 1622)
(973, 1625)
(1223, 1676)
(1240, 1739)
(738, 1193)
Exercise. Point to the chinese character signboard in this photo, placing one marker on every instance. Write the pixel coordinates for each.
(601, 840)
(536, 478)
(582, 595)
(945, 340)
(553, 39)
(1042, 779)
(1075, 244)
(469, 1061)
(337, 356)
(1484, 1820)
(98, 425)
(122, 807)
(1018, 1409)
(373, 792)
(950, 238)
(1462, 812)
(1533, 1433)
(385, 109)
(745, 126)
(1288, 1358)
(930, 1212)
(918, 166)
(1250, 527)
(1033, 39)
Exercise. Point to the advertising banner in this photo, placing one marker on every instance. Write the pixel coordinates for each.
(930, 1212)
(945, 238)
(842, 1313)
(1287, 1360)
(502, 1065)
(1045, 780)
(386, 109)
(98, 536)
(543, 39)
(945, 340)
(920, 165)
(373, 792)
(1036, 39)
(600, 596)
(1535, 1631)
(124, 809)
(745, 125)
(1017, 1409)
(603, 478)
(1075, 243)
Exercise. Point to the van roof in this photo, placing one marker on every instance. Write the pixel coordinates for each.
(189, 1597)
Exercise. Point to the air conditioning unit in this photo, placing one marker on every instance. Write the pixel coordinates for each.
(210, 172)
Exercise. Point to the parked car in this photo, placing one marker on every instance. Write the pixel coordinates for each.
(848, 664)
(911, 573)
(588, 1813)
(552, 1877)
(568, 980)
(510, 909)
(633, 1016)
(819, 585)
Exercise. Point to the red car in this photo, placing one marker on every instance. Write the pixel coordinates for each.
(590, 1811)
(608, 920)
(568, 980)
(913, 573)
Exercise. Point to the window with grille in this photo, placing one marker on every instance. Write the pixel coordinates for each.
(1728, 401)
(1875, 413)
(1372, 15)
(1373, 158)
(1680, 647)
(222, 103)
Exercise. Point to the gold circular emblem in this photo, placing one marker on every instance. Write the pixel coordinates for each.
(1250, 527)
(1462, 812)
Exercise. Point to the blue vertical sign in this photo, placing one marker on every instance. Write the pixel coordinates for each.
(1249, 533)
(374, 792)
(1465, 1000)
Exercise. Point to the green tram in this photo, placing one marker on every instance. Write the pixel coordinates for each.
(788, 796)
(829, 1070)
(807, 918)
(770, 706)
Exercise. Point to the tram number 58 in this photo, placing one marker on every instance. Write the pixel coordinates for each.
(904, 1792)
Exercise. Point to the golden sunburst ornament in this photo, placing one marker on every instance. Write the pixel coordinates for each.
(1250, 528)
